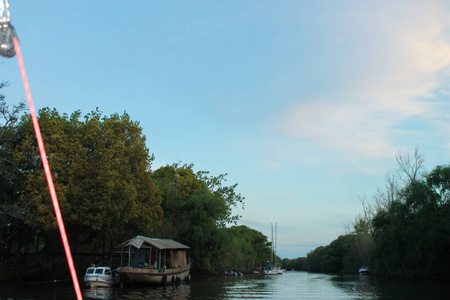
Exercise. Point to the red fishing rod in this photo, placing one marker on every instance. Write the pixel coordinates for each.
(9, 46)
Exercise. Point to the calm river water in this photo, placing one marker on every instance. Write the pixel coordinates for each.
(290, 285)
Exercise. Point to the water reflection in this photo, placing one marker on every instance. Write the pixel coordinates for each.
(45, 291)
(251, 286)
(162, 292)
(356, 286)
(290, 285)
(376, 287)
(419, 288)
(99, 293)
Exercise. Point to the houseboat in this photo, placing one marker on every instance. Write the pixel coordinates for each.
(152, 261)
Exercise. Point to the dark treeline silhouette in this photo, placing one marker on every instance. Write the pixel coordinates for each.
(404, 230)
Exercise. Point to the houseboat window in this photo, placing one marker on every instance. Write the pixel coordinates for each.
(90, 271)
(99, 271)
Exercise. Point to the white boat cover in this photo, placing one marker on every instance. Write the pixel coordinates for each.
(161, 244)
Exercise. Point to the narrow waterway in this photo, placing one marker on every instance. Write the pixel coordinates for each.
(290, 285)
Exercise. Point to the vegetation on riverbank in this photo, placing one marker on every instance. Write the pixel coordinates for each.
(196, 211)
(404, 231)
(107, 193)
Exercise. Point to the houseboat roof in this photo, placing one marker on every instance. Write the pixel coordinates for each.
(162, 244)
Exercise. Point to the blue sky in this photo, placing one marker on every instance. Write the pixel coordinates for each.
(303, 103)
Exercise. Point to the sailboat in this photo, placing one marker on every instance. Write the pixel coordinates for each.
(273, 268)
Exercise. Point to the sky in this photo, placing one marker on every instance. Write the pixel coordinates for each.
(304, 104)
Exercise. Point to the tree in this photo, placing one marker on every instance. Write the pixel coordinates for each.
(196, 207)
(405, 231)
(8, 115)
(297, 264)
(439, 179)
(101, 170)
(410, 165)
(176, 184)
(8, 119)
(409, 169)
(179, 183)
(12, 232)
(411, 236)
(245, 247)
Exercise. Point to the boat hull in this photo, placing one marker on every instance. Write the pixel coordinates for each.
(233, 273)
(274, 271)
(95, 281)
(364, 271)
(147, 276)
(100, 277)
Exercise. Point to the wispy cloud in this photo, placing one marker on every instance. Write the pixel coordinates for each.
(400, 57)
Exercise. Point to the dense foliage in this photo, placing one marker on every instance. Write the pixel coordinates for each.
(108, 193)
(101, 171)
(345, 254)
(245, 247)
(405, 231)
(412, 236)
(197, 209)
(297, 264)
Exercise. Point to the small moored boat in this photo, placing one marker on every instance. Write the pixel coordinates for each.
(364, 270)
(100, 277)
(233, 273)
(274, 270)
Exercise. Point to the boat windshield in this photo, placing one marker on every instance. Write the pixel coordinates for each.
(99, 271)
(90, 271)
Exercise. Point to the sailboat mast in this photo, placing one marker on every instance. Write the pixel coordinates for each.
(275, 252)
(271, 237)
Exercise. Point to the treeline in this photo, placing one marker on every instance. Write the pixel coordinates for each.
(107, 193)
(404, 230)
(196, 211)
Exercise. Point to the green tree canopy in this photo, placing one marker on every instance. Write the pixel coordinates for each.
(101, 169)
(12, 231)
(411, 236)
(196, 206)
(246, 247)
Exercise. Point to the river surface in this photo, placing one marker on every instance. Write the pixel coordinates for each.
(290, 285)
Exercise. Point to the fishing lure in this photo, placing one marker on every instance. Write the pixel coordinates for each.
(7, 32)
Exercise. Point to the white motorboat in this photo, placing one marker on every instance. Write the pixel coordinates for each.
(364, 270)
(100, 277)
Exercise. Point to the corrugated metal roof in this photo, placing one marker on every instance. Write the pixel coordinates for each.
(162, 244)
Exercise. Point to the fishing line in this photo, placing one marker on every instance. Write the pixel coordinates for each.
(48, 174)
(9, 46)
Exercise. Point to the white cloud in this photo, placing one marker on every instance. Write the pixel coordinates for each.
(391, 76)
(346, 126)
